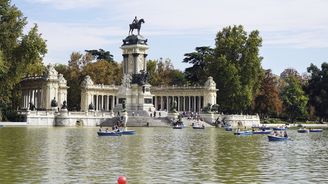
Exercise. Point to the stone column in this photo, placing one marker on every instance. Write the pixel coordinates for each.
(189, 106)
(125, 63)
(102, 102)
(135, 62)
(97, 105)
(144, 60)
(112, 102)
(184, 103)
(167, 103)
(161, 97)
(179, 103)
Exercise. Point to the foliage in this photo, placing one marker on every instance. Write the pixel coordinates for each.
(20, 54)
(197, 74)
(101, 54)
(79, 65)
(317, 90)
(294, 99)
(103, 72)
(162, 72)
(236, 68)
(268, 102)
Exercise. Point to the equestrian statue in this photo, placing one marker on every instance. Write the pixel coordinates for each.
(136, 24)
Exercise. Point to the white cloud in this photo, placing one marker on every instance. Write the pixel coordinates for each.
(71, 4)
(288, 23)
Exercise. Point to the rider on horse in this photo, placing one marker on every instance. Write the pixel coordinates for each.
(135, 20)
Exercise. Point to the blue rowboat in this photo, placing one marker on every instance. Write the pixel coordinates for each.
(316, 130)
(227, 128)
(277, 138)
(198, 127)
(262, 132)
(244, 133)
(128, 132)
(178, 126)
(279, 128)
(303, 130)
(109, 133)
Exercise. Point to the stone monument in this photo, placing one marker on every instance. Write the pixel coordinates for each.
(135, 90)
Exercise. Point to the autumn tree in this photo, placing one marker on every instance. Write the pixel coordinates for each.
(162, 72)
(268, 102)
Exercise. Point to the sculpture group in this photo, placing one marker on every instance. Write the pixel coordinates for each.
(136, 24)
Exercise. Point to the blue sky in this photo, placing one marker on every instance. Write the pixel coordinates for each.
(294, 32)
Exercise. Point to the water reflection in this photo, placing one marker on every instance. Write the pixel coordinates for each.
(158, 155)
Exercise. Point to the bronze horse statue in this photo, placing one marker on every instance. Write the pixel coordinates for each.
(136, 26)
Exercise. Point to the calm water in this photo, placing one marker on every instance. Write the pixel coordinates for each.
(159, 155)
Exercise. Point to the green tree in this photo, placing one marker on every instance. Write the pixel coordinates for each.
(317, 90)
(268, 102)
(101, 54)
(236, 68)
(294, 99)
(197, 74)
(21, 54)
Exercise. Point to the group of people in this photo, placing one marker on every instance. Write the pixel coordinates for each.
(114, 129)
(280, 133)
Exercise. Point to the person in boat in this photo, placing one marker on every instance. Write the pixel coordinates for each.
(203, 125)
(285, 134)
(106, 129)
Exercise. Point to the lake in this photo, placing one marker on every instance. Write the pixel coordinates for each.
(159, 155)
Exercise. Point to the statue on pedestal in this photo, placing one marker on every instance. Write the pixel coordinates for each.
(174, 107)
(64, 106)
(123, 106)
(54, 102)
(91, 106)
(136, 24)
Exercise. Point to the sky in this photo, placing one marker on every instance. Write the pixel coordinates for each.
(294, 32)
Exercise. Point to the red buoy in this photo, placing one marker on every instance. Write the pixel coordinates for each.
(122, 180)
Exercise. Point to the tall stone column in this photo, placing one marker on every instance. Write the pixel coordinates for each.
(161, 97)
(135, 63)
(125, 63)
(145, 64)
(167, 103)
(179, 105)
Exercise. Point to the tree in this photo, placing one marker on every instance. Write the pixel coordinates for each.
(101, 54)
(21, 54)
(236, 68)
(268, 101)
(317, 90)
(294, 99)
(162, 72)
(103, 72)
(197, 74)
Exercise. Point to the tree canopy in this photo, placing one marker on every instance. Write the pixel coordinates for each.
(317, 89)
(20, 54)
(236, 68)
